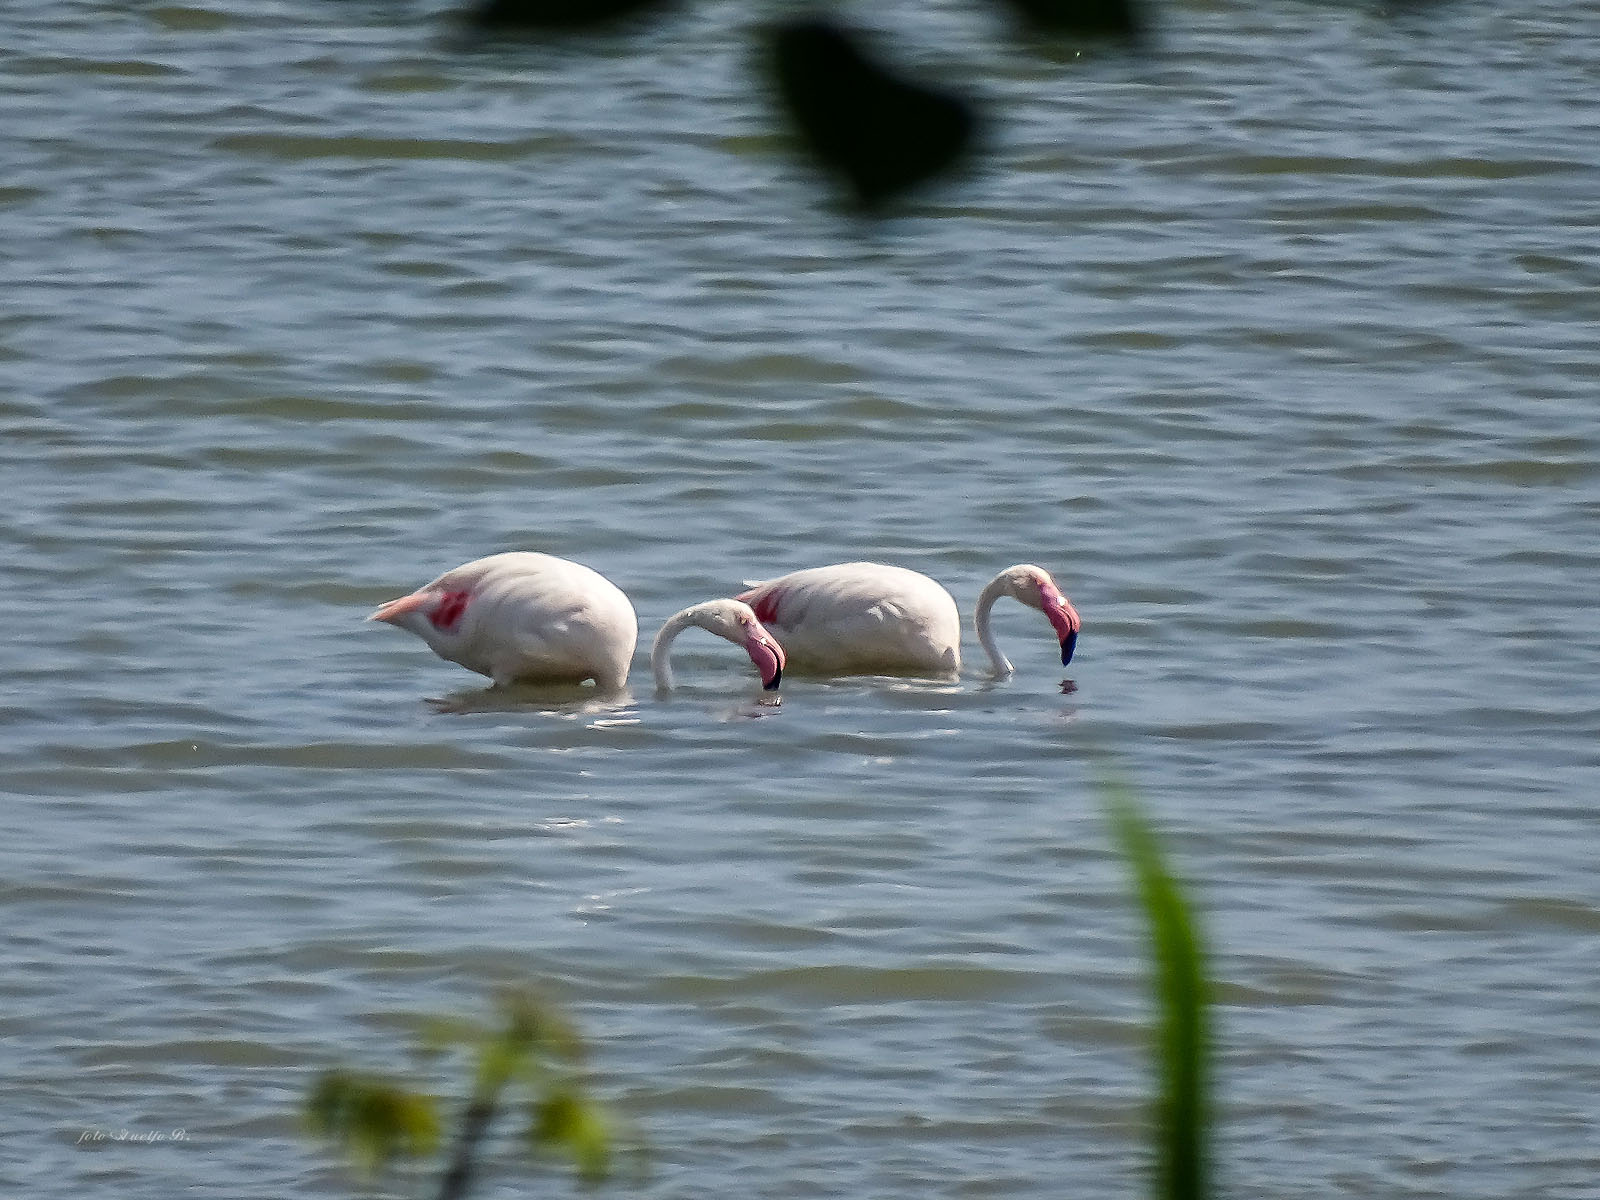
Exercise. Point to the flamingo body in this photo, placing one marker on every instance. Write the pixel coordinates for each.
(524, 617)
(861, 618)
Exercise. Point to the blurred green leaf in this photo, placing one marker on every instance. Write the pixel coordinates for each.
(1182, 994)
(536, 1025)
(373, 1119)
(531, 1039)
(524, 1057)
(569, 1123)
(498, 1062)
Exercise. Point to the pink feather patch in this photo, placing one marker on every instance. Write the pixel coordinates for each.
(448, 612)
(766, 607)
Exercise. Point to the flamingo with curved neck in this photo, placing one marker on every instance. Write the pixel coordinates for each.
(1034, 587)
(524, 617)
(730, 619)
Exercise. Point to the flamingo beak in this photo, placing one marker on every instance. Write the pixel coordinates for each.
(768, 657)
(1064, 620)
(405, 604)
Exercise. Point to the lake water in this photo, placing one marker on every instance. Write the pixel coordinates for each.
(1279, 347)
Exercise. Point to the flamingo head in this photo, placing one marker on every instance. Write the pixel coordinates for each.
(431, 612)
(1035, 587)
(736, 621)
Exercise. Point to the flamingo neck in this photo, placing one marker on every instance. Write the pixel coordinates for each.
(996, 588)
(661, 649)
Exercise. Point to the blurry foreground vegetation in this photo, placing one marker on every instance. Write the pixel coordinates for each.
(1181, 1049)
(865, 119)
(523, 1066)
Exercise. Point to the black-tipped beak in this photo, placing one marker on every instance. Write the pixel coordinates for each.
(1068, 645)
(772, 684)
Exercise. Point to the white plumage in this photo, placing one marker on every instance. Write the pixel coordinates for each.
(860, 618)
(524, 617)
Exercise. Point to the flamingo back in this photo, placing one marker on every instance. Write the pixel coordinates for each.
(859, 618)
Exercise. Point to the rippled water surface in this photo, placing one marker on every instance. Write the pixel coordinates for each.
(1278, 346)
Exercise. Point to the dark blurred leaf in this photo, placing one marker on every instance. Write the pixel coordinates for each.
(511, 15)
(1090, 18)
(884, 134)
(1182, 994)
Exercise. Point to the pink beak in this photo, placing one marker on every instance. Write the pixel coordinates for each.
(1064, 620)
(767, 655)
(402, 606)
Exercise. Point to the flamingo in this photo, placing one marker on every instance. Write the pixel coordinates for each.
(860, 618)
(731, 619)
(1034, 587)
(524, 617)
(865, 617)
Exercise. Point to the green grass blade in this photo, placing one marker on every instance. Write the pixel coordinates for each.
(1182, 995)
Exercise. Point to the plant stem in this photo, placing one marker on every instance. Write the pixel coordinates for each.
(474, 1124)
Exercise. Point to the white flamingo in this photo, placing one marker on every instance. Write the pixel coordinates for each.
(731, 619)
(524, 617)
(857, 618)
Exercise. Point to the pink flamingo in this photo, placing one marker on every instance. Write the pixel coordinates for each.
(857, 618)
(524, 617)
(731, 619)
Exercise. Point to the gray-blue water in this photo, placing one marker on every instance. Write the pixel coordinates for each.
(1278, 347)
